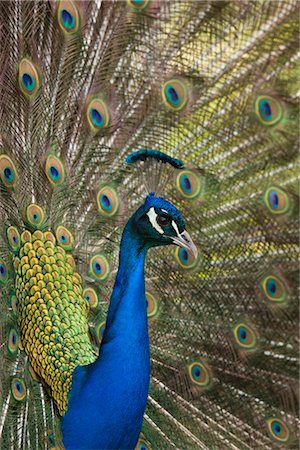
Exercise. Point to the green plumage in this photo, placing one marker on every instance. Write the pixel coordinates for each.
(212, 83)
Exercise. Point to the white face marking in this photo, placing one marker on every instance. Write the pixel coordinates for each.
(175, 228)
(152, 217)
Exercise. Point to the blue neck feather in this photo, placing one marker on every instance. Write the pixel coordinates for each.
(108, 397)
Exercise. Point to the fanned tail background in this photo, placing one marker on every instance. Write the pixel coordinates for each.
(214, 83)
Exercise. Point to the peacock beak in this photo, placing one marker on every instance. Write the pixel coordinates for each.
(184, 240)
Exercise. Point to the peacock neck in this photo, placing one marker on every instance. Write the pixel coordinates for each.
(127, 312)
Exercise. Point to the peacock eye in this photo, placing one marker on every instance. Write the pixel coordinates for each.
(164, 220)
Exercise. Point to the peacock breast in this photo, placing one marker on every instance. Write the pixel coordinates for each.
(52, 313)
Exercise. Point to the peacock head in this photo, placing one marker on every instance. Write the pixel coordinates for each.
(157, 222)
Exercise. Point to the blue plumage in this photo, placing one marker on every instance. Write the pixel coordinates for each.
(108, 398)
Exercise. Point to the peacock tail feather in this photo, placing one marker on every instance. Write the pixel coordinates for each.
(83, 85)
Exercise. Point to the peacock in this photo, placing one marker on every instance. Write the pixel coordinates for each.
(149, 210)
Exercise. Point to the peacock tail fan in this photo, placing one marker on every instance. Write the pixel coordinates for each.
(210, 83)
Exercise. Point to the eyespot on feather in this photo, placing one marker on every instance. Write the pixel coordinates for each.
(8, 171)
(3, 272)
(245, 336)
(18, 389)
(107, 201)
(98, 115)
(35, 215)
(13, 341)
(188, 184)
(152, 305)
(274, 288)
(143, 444)
(99, 331)
(68, 16)
(28, 78)
(99, 267)
(175, 94)
(14, 240)
(278, 429)
(199, 373)
(91, 297)
(185, 258)
(277, 201)
(54, 170)
(268, 110)
(64, 238)
(138, 4)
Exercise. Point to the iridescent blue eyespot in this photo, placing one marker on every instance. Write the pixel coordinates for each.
(277, 201)
(278, 429)
(245, 336)
(105, 202)
(91, 297)
(271, 287)
(28, 82)
(265, 109)
(54, 172)
(97, 267)
(268, 110)
(68, 16)
(196, 372)
(28, 78)
(96, 117)
(64, 238)
(242, 333)
(13, 338)
(108, 201)
(199, 374)
(175, 94)
(274, 199)
(274, 288)
(138, 4)
(172, 95)
(8, 174)
(183, 255)
(3, 272)
(189, 184)
(185, 184)
(67, 19)
(18, 389)
(185, 258)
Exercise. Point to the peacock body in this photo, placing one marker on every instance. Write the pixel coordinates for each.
(82, 86)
